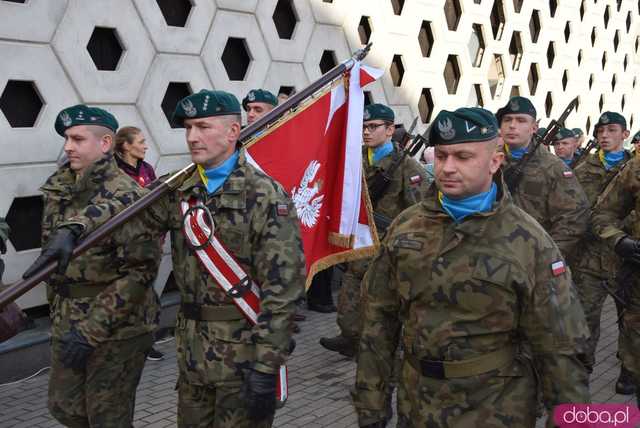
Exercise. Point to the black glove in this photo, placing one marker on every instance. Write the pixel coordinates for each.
(259, 391)
(3, 246)
(58, 248)
(75, 350)
(629, 249)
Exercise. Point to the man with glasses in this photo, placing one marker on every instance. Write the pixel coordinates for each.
(406, 186)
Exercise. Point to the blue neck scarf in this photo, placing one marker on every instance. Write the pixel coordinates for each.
(517, 153)
(567, 162)
(458, 209)
(381, 152)
(612, 159)
(215, 177)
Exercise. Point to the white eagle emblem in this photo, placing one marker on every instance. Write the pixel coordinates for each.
(188, 107)
(446, 130)
(306, 198)
(66, 119)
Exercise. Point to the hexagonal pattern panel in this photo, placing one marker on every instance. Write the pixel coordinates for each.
(20, 103)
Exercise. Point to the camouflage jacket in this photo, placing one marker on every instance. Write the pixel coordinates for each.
(409, 185)
(595, 257)
(549, 192)
(124, 264)
(457, 291)
(256, 220)
(619, 199)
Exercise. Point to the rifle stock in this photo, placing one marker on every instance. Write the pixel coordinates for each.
(17, 289)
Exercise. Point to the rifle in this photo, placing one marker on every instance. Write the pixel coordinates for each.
(382, 179)
(514, 175)
(17, 289)
(587, 149)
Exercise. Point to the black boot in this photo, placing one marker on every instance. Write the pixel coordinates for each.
(625, 384)
(340, 344)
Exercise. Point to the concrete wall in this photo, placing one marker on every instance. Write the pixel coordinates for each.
(451, 53)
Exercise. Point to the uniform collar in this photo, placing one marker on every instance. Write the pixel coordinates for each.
(235, 184)
(95, 174)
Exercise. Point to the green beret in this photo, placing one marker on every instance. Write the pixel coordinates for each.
(259, 96)
(83, 115)
(562, 134)
(465, 125)
(636, 138)
(378, 112)
(541, 131)
(517, 105)
(609, 118)
(204, 104)
(577, 132)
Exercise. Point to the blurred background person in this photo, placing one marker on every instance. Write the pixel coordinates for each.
(130, 149)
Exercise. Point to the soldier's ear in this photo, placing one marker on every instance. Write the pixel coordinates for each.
(106, 143)
(626, 134)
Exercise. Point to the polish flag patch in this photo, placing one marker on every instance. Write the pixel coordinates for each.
(416, 179)
(567, 174)
(558, 268)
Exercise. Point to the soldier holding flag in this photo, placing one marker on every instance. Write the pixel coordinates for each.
(235, 242)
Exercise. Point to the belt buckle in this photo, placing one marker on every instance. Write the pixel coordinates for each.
(433, 369)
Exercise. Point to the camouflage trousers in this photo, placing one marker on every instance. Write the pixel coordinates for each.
(500, 398)
(348, 316)
(592, 291)
(631, 330)
(214, 407)
(102, 395)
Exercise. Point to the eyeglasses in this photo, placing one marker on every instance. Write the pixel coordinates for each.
(372, 126)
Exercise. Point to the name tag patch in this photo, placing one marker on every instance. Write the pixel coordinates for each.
(409, 244)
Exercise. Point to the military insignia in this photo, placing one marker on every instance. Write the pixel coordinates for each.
(466, 125)
(80, 115)
(282, 210)
(367, 115)
(604, 119)
(188, 107)
(446, 130)
(205, 103)
(514, 105)
(307, 197)
(558, 268)
(66, 119)
(416, 179)
(484, 130)
(93, 118)
(251, 96)
(408, 244)
(567, 174)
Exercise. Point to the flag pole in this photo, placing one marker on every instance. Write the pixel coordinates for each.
(159, 188)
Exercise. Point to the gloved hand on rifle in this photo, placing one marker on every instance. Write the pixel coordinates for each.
(58, 248)
(259, 391)
(629, 249)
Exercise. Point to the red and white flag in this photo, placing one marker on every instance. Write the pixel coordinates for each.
(315, 152)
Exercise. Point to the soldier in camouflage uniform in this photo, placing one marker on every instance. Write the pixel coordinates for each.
(620, 198)
(103, 307)
(227, 367)
(596, 264)
(257, 103)
(463, 280)
(548, 190)
(409, 184)
(564, 145)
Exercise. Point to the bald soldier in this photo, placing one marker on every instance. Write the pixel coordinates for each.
(595, 268)
(103, 307)
(464, 280)
(257, 103)
(547, 190)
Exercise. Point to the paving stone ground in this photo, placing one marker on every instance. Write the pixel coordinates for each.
(319, 384)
